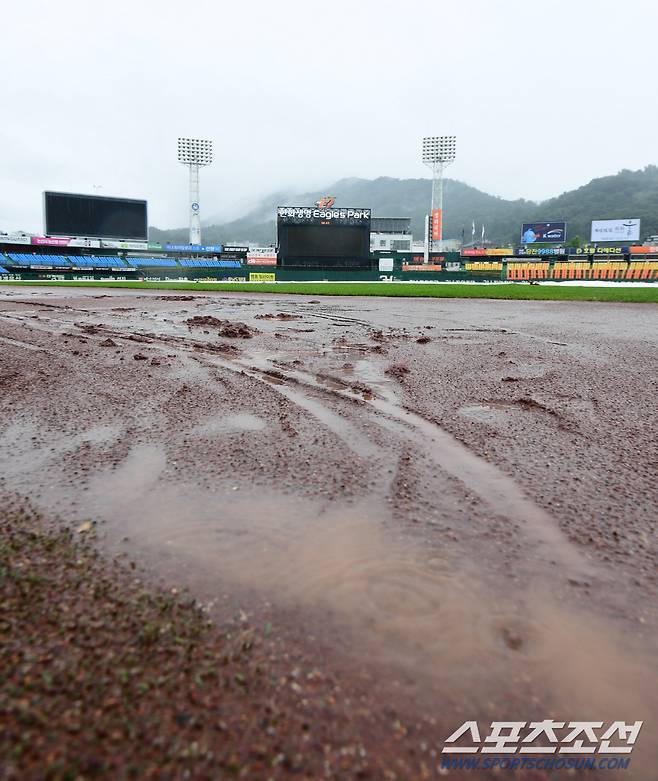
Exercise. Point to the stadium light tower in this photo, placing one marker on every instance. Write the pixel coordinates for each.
(193, 152)
(438, 152)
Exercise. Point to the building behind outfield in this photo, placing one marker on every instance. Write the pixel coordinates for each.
(391, 234)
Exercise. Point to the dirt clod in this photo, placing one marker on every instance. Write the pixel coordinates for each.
(226, 328)
(398, 371)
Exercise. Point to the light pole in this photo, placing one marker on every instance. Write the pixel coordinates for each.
(438, 152)
(193, 152)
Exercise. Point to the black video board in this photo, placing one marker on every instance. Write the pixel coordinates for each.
(314, 237)
(93, 216)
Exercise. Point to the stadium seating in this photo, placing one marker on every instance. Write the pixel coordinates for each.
(528, 270)
(646, 270)
(29, 259)
(155, 262)
(209, 263)
(608, 270)
(477, 265)
(3, 270)
(99, 261)
(571, 270)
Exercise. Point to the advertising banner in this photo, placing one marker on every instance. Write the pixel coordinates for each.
(261, 260)
(543, 232)
(497, 251)
(15, 239)
(422, 267)
(49, 241)
(85, 243)
(261, 277)
(136, 245)
(269, 251)
(615, 230)
(386, 264)
(437, 222)
(596, 250)
(533, 251)
(645, 250)
(216, 248)
(233, 249)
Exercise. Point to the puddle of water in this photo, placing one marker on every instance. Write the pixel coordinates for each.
(395, 601)
(231, 423)
(330, 382)
(273, 380)
(27, 447)
(389, 601)
(127, 485)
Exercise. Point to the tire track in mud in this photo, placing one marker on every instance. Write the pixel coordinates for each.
(23, 345)
(494, 487)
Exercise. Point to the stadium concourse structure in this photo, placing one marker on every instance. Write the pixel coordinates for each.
(44, 263)
(316, 244)
(100, 238)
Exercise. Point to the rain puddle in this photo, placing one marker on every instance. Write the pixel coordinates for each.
(380, 597)
(30, 446)
(231, 423)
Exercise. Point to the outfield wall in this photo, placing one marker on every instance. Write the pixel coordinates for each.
(390, 266)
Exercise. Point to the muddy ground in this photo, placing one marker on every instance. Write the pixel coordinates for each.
(449, 507)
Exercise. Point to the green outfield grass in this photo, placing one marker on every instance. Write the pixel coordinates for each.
(387, 289)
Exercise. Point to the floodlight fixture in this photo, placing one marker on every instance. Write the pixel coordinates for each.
(194, 153)
(437, 153)
(439, 149)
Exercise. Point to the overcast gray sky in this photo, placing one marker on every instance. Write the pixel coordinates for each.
(543, 96)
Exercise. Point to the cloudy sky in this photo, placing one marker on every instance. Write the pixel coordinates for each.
(543, 96)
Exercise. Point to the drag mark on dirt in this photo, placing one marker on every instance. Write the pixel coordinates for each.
(495, 488)
(24, 345)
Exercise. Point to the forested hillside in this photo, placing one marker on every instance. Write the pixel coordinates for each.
(626, 194)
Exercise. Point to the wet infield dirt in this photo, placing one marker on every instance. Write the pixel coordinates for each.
(447, 506)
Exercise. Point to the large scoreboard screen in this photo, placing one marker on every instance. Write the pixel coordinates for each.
(316, 241)
(94, 216)
(323, 237)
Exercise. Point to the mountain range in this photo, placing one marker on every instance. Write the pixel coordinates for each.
(627, 194)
